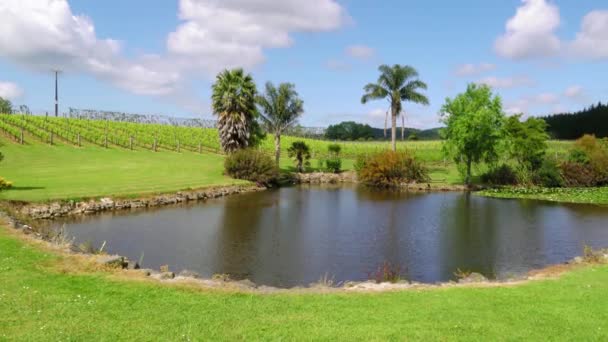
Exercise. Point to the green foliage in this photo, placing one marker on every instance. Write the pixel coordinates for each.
(396, 84)
(251, 165)
(502, 175)
(526, 142)
(390, 169)
(300, 153)
(473, 122)
(570, 126)
(280, 109)
(548, 175)
(4, 184)
(349, 130)
(334, 162)
(413, 137)
(6, 107)
(566, 195)
(233, 101)
(587, 164)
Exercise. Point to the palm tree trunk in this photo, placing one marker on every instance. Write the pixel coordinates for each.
(277, 147)
(394, 129)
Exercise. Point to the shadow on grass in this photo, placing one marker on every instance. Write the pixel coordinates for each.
(23, 188)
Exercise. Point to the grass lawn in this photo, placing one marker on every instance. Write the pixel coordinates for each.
(41, 301)
(42, 172)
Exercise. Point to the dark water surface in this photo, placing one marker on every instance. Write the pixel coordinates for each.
(294, 236)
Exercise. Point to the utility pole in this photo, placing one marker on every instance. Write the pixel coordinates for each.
(56, 93)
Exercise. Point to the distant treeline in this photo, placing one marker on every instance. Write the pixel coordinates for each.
(353, 131)
(592, 120)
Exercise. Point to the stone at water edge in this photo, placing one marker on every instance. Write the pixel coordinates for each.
(473, 278)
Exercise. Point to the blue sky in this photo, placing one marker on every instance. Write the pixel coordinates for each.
(542, 56)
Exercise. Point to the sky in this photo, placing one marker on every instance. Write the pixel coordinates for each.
(161, 57)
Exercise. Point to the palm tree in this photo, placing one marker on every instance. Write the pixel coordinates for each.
(396, 84)
(281, 108)
(300, 152)
(233, 101)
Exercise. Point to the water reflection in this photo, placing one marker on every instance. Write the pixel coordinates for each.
(293, 236)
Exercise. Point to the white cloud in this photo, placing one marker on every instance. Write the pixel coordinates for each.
(506, 82)
(217, 34)
(44, 34)
(361, 52)
(531, 32)
(546, 98)
(377, 113)
(592, 40)
(10, 91)
(575, 92)
(465, 70)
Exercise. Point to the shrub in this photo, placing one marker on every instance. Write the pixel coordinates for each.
(577, 175)
(251, 165)
(4, 184)
(502, 175)
(548, 175)
(333, 163)
(387, 272)
(389, 169)
(300, 152)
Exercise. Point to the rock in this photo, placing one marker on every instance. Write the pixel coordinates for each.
(188, 274)
(166, 275)
(112, 261)
(325, 178)
(146, 271)
(473, 278)
(577, 260)
(245, 283)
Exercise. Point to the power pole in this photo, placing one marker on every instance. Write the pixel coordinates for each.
(56, 93)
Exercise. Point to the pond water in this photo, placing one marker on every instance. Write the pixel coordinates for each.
(294, 236)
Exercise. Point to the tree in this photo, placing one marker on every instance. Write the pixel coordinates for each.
(233, 101)
(300, 152)
(473, 122)
(281, 108)
(526, 142)
(6, 107)
(397, 84)
(349, 130)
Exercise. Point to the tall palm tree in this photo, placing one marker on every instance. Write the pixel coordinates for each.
(281, 108)
(233, 101)
(397, 84)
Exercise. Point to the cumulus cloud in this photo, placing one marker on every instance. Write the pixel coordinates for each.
(361, 52)
(10, 91)
(546, 100)
(469, 69)
(531, 32)
(44, 35)
(592, 40)
(338, 65)
(216, 34)
(506, 82)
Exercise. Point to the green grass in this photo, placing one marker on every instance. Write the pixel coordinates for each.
(566, 195)
(40, 303)
(41, 172)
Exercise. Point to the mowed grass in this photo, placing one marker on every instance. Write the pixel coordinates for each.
(42, 301)
(41, 172)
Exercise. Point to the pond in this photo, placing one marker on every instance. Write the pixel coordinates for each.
(294, 236)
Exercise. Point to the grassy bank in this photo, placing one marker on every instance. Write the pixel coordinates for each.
(45, 297)
(565, 195)
(42, 172)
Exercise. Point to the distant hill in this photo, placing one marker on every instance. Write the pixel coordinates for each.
(422, 134)
(567, 126)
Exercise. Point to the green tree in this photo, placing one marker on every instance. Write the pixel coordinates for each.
(473, 122)
(300, 152)
(233, 101)
(526, 142)
(6, 107)
(397, 84)
(281, 107)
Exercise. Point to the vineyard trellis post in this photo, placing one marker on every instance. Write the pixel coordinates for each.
(131, 143)
(51, 138)
(78, 138)
(200, 148)
(154, 146)
(21, 139)
(177, 145)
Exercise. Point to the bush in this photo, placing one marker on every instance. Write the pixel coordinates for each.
(251, 165)
(548, 175)
(502, 175)
(333, 163)
(300, 153)
(390, 169)
(577, 175)
(4, 184)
